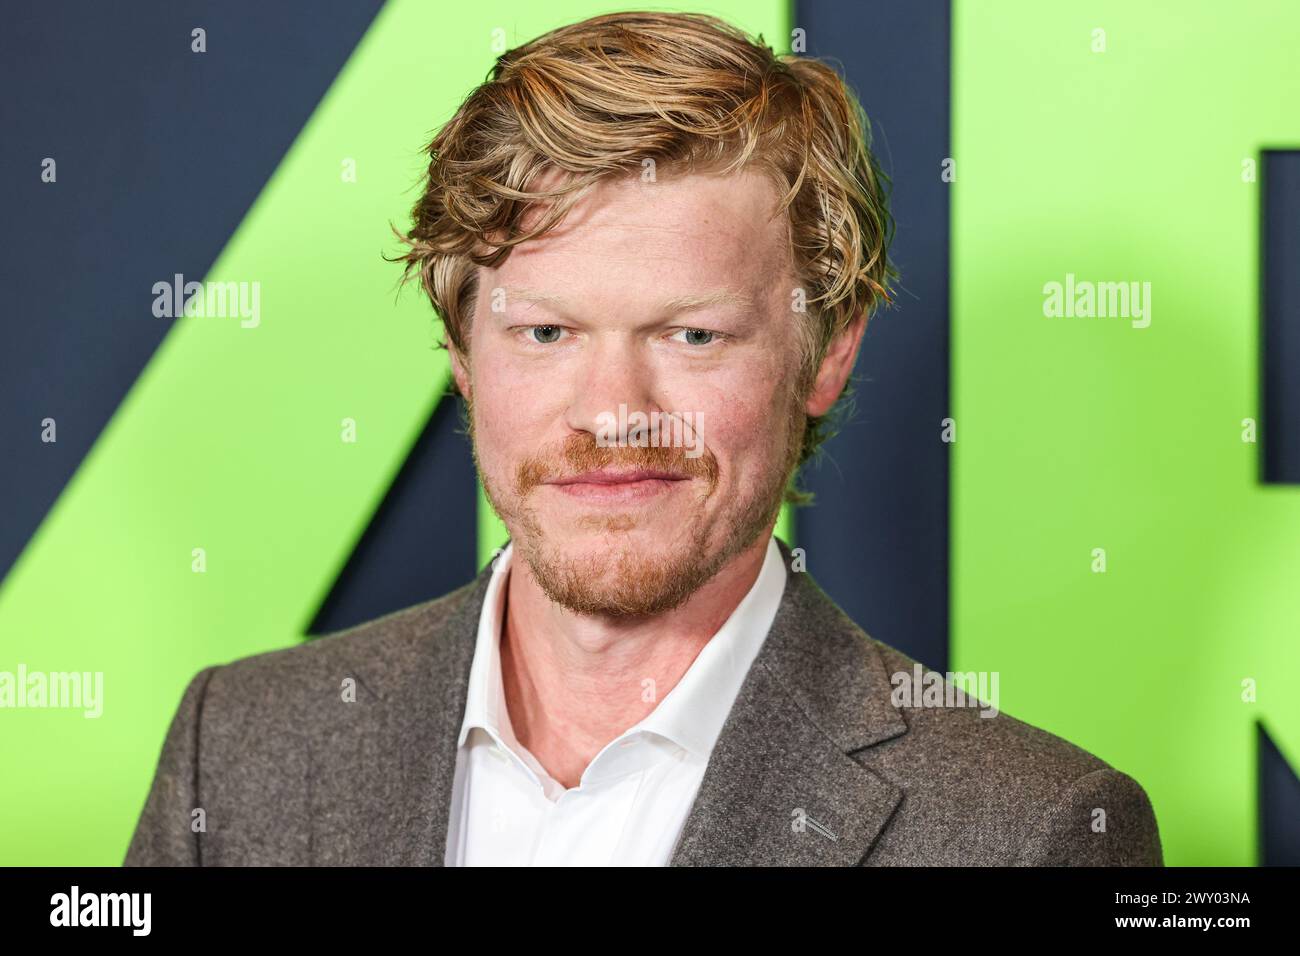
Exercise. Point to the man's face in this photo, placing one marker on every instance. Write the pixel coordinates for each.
(669, 299)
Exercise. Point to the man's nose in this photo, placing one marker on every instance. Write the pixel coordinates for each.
(612, 373)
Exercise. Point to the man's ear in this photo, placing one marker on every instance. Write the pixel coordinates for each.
(836, 367)
(458, 369)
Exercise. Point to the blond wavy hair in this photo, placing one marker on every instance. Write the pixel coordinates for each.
(691, 92)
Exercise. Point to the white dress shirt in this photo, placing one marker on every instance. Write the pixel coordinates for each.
(629, 807)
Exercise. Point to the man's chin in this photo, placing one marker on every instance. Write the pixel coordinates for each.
(618, 574)
(588, 534)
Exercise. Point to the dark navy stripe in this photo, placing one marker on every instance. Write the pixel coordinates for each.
(1279, 806)
(877, 540)
(1280, 315)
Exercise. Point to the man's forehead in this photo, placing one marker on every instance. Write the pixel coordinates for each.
(696, 241)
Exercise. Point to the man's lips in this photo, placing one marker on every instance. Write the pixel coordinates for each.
(613, 477)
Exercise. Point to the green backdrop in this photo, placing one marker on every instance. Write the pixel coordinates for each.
(1084, 433)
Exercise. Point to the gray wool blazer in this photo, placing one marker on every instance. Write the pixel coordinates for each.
(815, 765)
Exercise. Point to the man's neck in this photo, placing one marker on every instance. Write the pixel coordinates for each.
(574, 682)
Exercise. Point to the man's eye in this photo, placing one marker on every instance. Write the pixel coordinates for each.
(545, 334)
(697, 336)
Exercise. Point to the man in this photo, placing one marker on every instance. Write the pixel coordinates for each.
(654, 247)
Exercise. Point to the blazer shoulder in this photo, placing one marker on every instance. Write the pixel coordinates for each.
(980, 734)
(376, 654)
(981, 778)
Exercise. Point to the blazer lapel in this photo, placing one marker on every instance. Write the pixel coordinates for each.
(781, 787)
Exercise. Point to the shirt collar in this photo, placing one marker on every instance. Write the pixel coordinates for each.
(693, 712)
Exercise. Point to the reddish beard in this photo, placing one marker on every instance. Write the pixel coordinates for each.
(629, 582)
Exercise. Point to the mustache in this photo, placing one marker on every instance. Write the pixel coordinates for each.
(580, 453)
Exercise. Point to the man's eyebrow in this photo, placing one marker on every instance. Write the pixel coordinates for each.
(531, 295)
(680, 303)
(685, 303)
